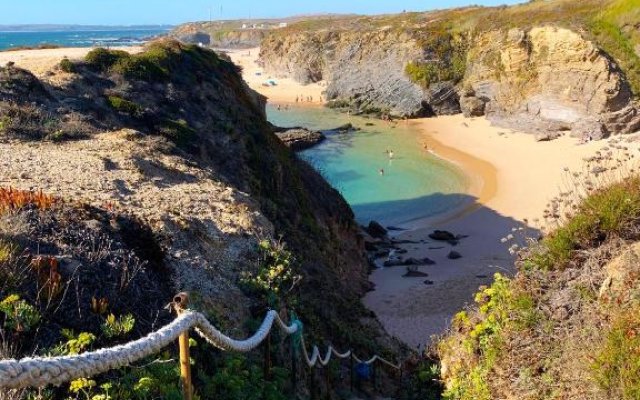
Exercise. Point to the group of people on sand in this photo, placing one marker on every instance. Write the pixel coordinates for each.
(308, 99)
(285, 107)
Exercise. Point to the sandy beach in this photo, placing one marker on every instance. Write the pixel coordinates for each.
(511, 178)
(514, 178)
(285, 91)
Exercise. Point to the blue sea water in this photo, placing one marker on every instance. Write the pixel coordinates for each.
(415, 185)
(103, 38)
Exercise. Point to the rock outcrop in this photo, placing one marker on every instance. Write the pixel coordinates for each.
(298, 139)
(364, 70)
(219, 37)
(547, 79)
(540, 80)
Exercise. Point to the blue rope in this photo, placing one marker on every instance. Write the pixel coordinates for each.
(297, 336)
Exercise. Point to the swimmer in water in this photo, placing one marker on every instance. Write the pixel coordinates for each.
(390, 154)
(382, 171)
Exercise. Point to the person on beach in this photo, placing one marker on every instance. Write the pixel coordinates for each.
(381, 171)
(296, 99)
(390, 154)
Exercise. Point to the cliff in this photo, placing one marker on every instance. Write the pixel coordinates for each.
(541, 66)
(363, 68)
(164, 176)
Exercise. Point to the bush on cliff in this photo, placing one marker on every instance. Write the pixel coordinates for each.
(557, 329)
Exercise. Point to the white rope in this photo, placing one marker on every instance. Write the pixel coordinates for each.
(42, 371)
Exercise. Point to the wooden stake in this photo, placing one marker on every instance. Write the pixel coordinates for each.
(180, 302)
(185, 366)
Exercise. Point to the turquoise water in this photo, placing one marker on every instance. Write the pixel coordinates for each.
(415, 184)
(79, 38)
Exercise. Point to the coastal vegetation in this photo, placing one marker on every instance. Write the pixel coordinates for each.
(564, 326)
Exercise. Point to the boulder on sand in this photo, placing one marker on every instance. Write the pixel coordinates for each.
(454, 255)
(444, 236)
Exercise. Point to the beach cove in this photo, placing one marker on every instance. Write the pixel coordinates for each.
(507, 186)
(508, 178)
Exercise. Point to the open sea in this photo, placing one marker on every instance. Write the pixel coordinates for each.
(106, 38)
(415, 185)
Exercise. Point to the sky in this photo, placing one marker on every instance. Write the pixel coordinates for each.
(137, 12)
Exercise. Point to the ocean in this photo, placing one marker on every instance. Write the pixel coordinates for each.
(104, 38)
(415, 185)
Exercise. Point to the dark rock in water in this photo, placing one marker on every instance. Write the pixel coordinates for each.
(395, 228)
(454, 255)
(395, 262)
(428, 282)
(444, 236)
(376, 230)
(381, 253)
(481, 276)
(401, 251)
(369, 124)
(299, 139)
(346, 128)
(404, 242)
(420, 261)
(415, 274)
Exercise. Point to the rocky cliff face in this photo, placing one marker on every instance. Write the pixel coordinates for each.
(364, 70)
(547, 79)
(542, 78)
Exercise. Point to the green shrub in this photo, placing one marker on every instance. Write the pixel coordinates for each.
(102, 60)
(139, 67)
(117, 327)
(276, 274)
(616, 366)
(608, 211)
(447, 55)
(19, 316)
(124, 106)
(177, 131)
(67, 66)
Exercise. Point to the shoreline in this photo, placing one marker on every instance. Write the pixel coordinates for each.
(511, 178)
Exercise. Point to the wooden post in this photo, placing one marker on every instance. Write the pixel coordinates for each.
(180, 302)
(400, 382)
(266, 365)
(294, 369)
(373, 375)
(327, 380)
(351, 372)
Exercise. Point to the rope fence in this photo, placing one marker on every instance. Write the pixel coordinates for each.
(43, 371)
